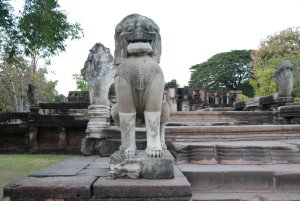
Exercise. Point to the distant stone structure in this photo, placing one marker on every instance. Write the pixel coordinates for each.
(139, 88)
(189, 99)
(284, 79)
(170, 95)
(78, 97)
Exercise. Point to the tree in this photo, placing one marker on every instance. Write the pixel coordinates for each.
(284, 45)
(9, 34)
(6, 18)
(44, 29)
(226, 70)
(14, 80)
(40, 32)
(80, 82)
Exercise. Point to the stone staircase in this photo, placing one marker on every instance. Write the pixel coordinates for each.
(241, 169)
(243, 182)
(254, 152)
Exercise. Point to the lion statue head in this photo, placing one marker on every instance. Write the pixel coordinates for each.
(134, 34)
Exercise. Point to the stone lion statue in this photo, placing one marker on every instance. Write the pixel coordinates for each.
(139, 84)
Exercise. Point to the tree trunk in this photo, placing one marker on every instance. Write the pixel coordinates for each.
(33, 64)
(14, 96)
(21, 94)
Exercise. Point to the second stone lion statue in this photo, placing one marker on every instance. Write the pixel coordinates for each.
(139, 84)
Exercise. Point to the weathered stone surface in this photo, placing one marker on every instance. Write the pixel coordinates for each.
(177, 188)
(206, 118)
(209, 182)
(50, 187)
(68, 167)
(245, 196)
(98, 119)
(99, 72)
(158, 168)
(141, 166)
(228, 177)
(228, 133)
(284, 78)
(109, 145)
(62, 136)
(290, 114)
(238, 152)
(97, 172)
(120, 167)
(287, 177)
(87, 146)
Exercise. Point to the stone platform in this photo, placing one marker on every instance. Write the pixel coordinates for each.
(141, 166)
(86, 179)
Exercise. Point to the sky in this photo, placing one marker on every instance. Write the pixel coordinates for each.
(191, 31)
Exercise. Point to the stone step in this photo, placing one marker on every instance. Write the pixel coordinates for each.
(201, 118)
(218, 178)
(258, 196)
(237, 152)
(232, 133)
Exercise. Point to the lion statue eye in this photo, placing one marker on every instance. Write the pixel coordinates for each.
(130, 28)
(150, 28)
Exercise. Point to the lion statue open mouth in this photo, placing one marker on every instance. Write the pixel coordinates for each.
(139, 84)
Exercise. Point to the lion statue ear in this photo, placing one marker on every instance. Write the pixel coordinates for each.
(117, 56)
(157, 50)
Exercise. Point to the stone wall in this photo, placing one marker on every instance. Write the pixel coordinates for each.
(63, 133)
(60, 132)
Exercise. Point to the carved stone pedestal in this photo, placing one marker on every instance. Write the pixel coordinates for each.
(98, 119)
(141, 166)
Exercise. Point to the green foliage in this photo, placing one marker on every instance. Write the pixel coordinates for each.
(265, 85)
(16, 166)
(226, 70)
(272, 51)
(6, 18)
(242, 97)
(9, 35)
(60, 98)
(247, 88)
(5, 15)
(80, 82)
(39, 32)
(44, 30)
(296, 99)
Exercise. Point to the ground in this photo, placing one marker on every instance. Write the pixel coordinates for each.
(15, 166)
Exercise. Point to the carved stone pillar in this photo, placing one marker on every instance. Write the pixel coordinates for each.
(62, 137)
(33, 131)
(98, 119)
(1, 140)
(227, 98)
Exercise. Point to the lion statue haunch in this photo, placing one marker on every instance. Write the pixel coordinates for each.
(284, 78)
(139, 84)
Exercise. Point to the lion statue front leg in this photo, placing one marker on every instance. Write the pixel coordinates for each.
(127, 117)
(152, 116)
